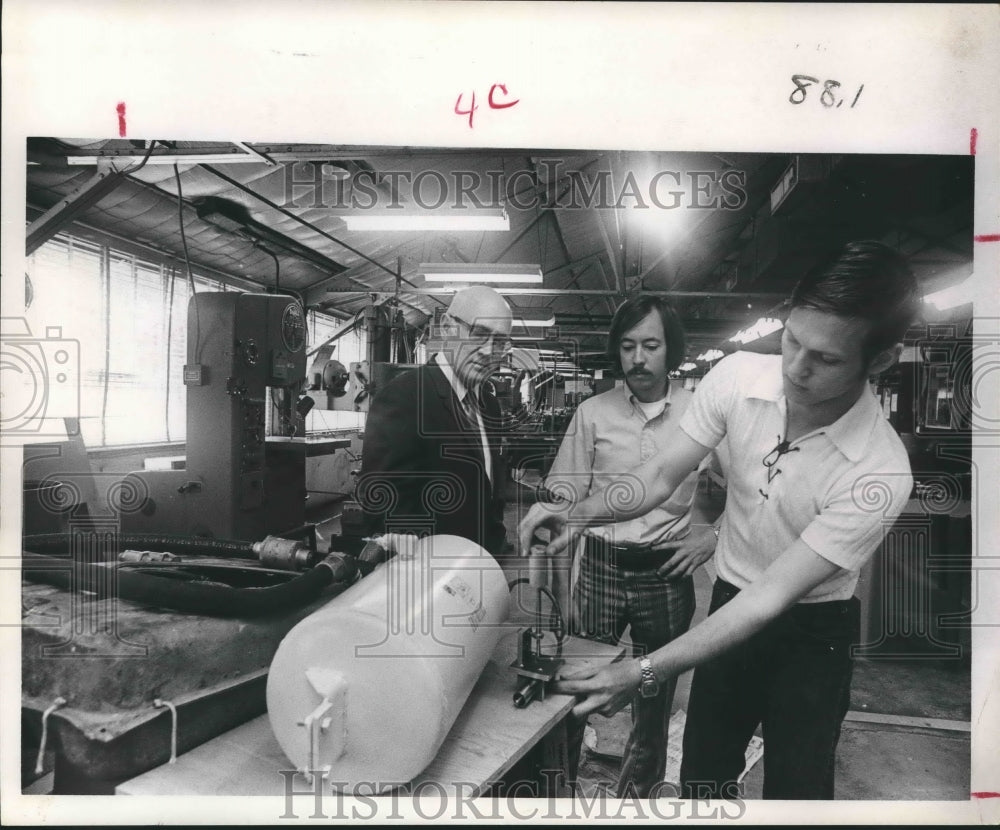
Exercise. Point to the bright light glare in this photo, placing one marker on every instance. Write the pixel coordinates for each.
(763, 327)
(954, 295)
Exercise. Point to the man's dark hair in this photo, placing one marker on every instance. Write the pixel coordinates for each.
(868, 281)
(633, 311)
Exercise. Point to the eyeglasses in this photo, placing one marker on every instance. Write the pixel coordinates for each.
(771, 459)
(480, 335)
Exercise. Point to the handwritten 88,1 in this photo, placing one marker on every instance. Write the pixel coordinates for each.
(828, 97)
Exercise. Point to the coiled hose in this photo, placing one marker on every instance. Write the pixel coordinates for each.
(149, 589)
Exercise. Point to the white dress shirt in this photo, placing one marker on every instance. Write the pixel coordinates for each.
(465, 398)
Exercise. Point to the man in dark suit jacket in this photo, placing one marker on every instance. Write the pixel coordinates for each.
(430, 463)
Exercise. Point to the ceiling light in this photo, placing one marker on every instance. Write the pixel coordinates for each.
(710, 355)
(763, 327)
(687, 367)
(472, 272)
(533, 318)
(490, 219)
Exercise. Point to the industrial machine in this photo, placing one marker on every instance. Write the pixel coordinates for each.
(334, 386)
(244, 473)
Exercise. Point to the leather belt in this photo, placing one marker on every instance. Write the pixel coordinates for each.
(631, 557)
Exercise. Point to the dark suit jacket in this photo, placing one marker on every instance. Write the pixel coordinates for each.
(422, 465)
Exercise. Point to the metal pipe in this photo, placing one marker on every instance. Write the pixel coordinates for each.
(40, 763)
(579, 292)
(159, 704)
(301, 221)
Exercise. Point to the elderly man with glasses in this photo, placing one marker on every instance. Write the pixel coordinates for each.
(430, 464)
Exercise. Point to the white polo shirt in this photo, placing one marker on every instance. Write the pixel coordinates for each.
(839, 489)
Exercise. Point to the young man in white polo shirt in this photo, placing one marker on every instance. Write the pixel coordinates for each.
(808, 449)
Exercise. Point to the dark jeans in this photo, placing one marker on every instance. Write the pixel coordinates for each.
(794, 678)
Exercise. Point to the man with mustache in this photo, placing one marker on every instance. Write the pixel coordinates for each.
(430, 461)
(634, 574)
(815, 477)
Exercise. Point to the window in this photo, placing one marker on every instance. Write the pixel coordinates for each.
(129, 317)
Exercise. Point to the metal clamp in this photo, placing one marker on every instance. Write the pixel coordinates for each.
(39, 764)
(159, 704)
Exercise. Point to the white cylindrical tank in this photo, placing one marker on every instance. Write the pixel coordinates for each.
(366, 689)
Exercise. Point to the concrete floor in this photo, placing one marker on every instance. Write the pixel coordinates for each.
(886, 750)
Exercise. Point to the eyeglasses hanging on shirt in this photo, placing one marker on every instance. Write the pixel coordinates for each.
(770, 461)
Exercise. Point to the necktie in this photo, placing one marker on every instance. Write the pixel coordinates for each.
(470, 404)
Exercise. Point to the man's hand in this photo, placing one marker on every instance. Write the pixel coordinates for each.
(546, 516)
(689, 554)
(606, 691)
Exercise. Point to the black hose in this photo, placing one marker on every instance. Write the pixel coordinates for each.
(59, 542)
(149, 589)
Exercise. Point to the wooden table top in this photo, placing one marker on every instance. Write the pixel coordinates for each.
(489, 736)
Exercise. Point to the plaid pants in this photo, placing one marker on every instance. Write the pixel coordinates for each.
(606, 599)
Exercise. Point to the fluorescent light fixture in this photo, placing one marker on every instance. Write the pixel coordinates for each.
(763, 327)
(710, 355)
(533, 318)
(453, 219)
(687, 367)
(472, 272)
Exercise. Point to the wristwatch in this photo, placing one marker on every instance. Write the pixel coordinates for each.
(649, 686)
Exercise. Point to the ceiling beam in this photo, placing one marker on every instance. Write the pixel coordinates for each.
(69, 208)
(575, 292)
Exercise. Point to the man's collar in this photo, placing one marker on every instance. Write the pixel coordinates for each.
(850, 432)
(767, 386)
(632, 399)
(449, 373)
